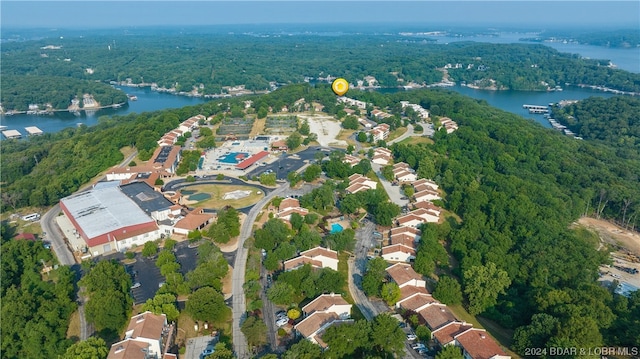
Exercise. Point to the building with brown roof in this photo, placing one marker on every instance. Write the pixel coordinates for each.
(418, 185)
(404, 239)
(310, 326)
(417, 302)
(288, 206)
(446, 334)
(426, 195)
(351, 160)
(436, 315)
(358, 182)
(404, 275)
(398, 253)
(148, 334)
(194, 220)
(408, 292)
(412, 231)
(333, 303)
(317, 257)
(477, 344)
(280, 145)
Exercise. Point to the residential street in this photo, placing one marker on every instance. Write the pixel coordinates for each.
(239, 305)
(357, 266)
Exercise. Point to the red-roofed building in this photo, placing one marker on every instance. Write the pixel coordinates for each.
(436, 315)
(25, 236)
(446, 334)
(477, 344)
(252, 160)
(280, 146)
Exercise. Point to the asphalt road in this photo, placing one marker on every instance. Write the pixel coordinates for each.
(55, 236)
(239, 305)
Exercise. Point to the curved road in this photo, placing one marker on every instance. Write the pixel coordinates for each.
(239, 306)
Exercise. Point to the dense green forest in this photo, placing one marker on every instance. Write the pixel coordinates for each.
(615, 121)
(35, 308)
(20, 91)
(210, 61)
(517, 188)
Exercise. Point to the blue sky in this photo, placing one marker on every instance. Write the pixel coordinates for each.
(103, 14)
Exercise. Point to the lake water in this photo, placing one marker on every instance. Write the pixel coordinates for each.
(147, 101)
(512, 101)
(625, 59)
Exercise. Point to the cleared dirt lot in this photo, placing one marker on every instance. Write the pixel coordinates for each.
(326, 127)
(612, 234)
(626, 256)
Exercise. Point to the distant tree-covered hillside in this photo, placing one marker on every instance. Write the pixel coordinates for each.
(207, 63)
(614, 120)
(18, 92)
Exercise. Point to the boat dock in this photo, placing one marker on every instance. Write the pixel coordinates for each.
(11, 134)
(537, 107)
(538, 111)
(33, 131)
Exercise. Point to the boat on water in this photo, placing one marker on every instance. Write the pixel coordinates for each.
(132, 97)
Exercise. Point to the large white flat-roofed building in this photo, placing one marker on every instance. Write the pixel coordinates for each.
(107, 219)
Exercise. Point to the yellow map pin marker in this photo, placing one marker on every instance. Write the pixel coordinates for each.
(340, 86)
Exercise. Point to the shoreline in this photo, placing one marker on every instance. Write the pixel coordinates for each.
(51, 112)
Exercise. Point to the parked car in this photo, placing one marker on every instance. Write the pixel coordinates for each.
(411, 337)
(281, 314)
(136, 285)
(282, 321)
(206, 352)
(418, 346)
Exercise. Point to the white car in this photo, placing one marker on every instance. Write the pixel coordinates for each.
(136, 285)
(282, 321)
(411, 337)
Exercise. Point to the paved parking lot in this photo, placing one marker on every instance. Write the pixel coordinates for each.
(145, 272)
(195, 346)
(289, 163)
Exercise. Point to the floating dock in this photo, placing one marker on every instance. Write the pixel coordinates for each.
(535, 107)
(33, 131)
(11, 134)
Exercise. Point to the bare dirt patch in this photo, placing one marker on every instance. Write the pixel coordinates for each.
(613, 234)
(326, 127)
(258, 127)
(226, 284)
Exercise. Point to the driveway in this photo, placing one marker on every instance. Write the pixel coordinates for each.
(394, 192)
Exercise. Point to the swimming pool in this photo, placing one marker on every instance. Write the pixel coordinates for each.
(335, 228)
(233, 157)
